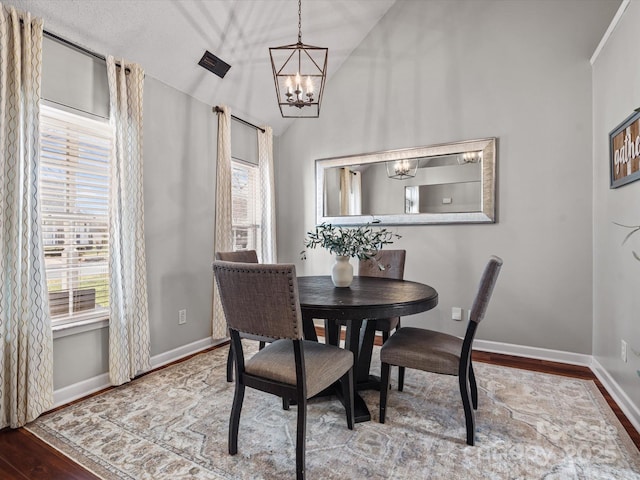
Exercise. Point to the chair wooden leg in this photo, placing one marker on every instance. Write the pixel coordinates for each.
(400, 378)
(385, 336)
(384, 390)
(301, 438)
(261, 345)
(234, 421)
(230, 357)
(347, 391)
(468, 411)
(474, 387)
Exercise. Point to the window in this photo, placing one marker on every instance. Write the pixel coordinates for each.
(245, 206)
(74, 194)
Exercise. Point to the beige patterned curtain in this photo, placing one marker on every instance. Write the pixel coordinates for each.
(26, 341)
(267, 195)
(223, 232)
(129, 343)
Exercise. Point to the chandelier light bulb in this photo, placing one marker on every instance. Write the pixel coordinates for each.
(298, 84)
(401, 167)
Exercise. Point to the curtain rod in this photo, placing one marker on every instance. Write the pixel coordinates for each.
(79, 48)
(217, 109)
(75, 46)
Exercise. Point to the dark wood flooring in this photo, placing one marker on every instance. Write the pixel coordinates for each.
(25, 457)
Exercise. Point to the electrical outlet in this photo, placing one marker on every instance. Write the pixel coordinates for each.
(456, 314)
(623, 351)
(182, 317)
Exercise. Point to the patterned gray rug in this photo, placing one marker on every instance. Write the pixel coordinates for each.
(172, 424)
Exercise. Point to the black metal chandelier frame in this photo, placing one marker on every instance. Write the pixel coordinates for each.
(294, 95)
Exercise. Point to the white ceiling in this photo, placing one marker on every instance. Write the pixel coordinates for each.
(168, 37)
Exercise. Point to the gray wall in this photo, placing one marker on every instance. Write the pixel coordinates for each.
(440, 71)
(616, 76)
(180, 136)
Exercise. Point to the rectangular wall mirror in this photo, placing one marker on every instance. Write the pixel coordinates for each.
(447, 183)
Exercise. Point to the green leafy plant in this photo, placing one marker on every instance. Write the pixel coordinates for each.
(362, 242)
(634, 229)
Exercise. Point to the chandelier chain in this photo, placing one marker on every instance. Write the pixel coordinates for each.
(299, 21)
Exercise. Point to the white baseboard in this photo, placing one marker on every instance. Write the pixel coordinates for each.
(631, 411)
(81, 389)
(86, 387)
(533, 352)
(183, 351)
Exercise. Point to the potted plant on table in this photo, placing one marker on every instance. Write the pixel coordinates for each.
(362, 242)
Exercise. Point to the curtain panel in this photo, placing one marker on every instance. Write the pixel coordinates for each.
(223, 241)
(129, 340)
(267, 195)
(26, 340)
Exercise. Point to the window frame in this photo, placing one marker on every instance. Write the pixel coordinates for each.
(77, 135)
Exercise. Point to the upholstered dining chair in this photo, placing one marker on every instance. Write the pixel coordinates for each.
(262, 299)
(244, 256)
(393, 263)
(439, 352)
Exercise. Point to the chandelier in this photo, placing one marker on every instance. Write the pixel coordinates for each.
(299, 72)
(402, 169)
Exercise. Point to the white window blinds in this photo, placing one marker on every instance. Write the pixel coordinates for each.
(245, 207)
(74, 193)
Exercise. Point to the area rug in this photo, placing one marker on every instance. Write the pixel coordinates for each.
(172, 424)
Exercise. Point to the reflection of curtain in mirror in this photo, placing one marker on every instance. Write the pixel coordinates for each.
(356, 197)
(411, 199)
(350, 192)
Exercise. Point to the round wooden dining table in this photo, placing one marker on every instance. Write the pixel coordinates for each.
(358, 307)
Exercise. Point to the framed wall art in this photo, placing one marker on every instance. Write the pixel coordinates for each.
(624, 151)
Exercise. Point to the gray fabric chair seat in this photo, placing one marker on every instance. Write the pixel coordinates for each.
(322, 363)
(423, 350)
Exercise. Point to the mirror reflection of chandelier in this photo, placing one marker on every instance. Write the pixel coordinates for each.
(402, 169)
(470, 157)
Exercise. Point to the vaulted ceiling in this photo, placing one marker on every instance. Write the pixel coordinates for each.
(168, 38)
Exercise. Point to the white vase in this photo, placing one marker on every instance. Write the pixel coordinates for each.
(342, 272)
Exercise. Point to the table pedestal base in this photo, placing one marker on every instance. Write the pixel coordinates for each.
(359, 340)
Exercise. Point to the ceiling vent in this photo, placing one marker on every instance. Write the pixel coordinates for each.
(214, 64)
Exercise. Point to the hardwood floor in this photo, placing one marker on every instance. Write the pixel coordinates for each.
(25, 457)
